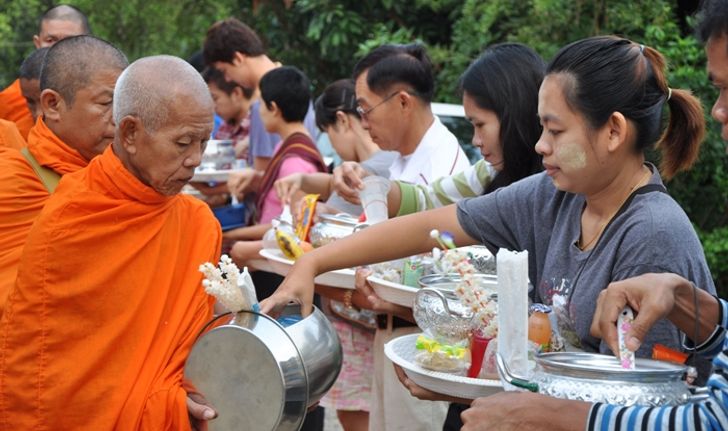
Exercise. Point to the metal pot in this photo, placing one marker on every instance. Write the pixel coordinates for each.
(332, 227)
(219, 155)
(593, 377)
(261, 374)
(439, 312)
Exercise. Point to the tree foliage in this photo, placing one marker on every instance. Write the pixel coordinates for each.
(326, 37)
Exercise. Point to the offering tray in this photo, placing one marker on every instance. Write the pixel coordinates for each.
(396, 293)
(402, 352)
(209, 176)
(342, 278)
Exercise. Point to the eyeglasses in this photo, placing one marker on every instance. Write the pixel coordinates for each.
(363, 113)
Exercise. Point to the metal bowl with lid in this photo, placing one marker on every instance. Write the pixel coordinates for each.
(261, 374)
(593, 377)
(331, 227)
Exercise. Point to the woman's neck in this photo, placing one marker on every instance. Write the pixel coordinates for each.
(607, 201)
(288, 129)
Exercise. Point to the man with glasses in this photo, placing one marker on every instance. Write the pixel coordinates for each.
(394, 89)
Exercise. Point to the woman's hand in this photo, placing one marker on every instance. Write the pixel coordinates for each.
(376, 303)
(242, 182)
(348, 181)
(422, 393)
(297, 287)
(288, 186)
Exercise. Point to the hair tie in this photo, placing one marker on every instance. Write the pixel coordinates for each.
(669, 94)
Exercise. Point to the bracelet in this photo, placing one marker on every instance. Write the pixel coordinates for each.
(347, 299)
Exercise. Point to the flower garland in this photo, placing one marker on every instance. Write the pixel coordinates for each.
(471, 294)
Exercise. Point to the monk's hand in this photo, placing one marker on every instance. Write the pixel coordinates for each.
(286, 187)
(651, 296)
(199, 411)
(297, 287)
(518, 411)
(348, 181)
(424, 394)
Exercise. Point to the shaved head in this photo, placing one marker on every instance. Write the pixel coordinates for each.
(30, 69)
(71, 63)
(150, 87)
(65, 13)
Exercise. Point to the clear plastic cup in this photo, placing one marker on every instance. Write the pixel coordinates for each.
(374, 198)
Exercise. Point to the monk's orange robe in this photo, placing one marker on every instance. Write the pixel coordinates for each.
(107, 305)
(10, 137)
(13, 107)
(22, 194)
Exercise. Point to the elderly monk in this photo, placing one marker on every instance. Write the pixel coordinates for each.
(56, 23)
(75, 126)
(108, 300)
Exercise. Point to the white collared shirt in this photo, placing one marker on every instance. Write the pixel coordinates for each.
(437, 155)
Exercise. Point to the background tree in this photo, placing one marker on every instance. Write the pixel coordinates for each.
(326, 37)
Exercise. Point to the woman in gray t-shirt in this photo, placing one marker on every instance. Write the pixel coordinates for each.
(597, 214)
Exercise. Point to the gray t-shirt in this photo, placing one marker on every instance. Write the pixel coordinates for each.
(653, 234)
(377, 164)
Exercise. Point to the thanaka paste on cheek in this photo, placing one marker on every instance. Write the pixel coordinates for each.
(571, 157)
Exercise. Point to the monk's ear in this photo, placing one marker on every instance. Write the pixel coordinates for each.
(52, 105)
(36, 41)
(129, 133)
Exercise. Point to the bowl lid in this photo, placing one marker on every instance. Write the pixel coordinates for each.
(242, 378)
(340, 219)
(607, 367)
(449, 281)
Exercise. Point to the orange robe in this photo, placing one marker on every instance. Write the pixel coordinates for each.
(107, 305)
(22, 194)
(13, 107)
(10, 137)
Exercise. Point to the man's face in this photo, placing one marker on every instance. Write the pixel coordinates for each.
(381, 117)
(237, 71)
(717, 52)
(165, 159)
(53, 30)
(87, 124)
(31, 91)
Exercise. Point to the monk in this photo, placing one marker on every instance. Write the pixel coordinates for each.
(10, 136)
(75, 126)
(56, 23)
(30, 80)
(108, 300)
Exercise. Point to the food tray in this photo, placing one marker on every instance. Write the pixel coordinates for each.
(342, 278)
(402, 352)
(396, 293)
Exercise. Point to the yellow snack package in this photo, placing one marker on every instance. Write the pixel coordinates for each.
(305, 216)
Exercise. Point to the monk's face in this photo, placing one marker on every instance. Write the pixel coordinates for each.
(31, 91)
(53, 30)
(85, 124)
(165, 159)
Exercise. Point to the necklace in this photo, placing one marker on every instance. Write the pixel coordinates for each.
(582, 245)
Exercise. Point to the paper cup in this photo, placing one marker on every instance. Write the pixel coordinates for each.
(374, 198)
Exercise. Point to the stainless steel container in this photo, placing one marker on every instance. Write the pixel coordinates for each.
(448, 282)
(332, 227)
(261, 375)
(593, 377)
(219, 155)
